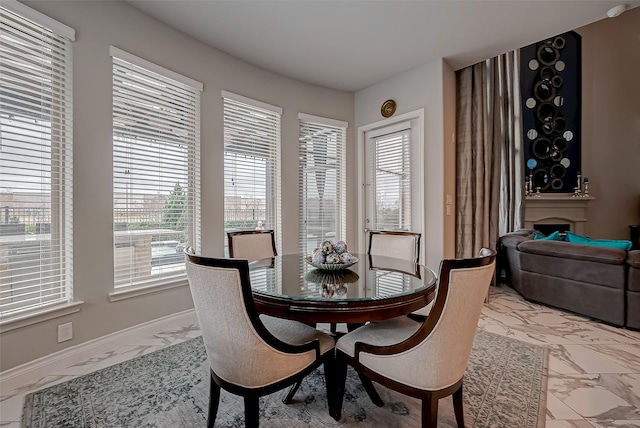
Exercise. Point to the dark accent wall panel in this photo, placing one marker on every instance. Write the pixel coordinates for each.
(550, 84)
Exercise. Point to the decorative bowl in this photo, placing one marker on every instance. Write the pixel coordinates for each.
(331, 277)
(331, 266)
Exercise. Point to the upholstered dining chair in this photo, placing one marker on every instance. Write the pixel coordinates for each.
(399, 245)
(250, 355)
(424, 360)
(396, 244)
(252, 244)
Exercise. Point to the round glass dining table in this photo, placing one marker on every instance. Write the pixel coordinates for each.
(372, 289)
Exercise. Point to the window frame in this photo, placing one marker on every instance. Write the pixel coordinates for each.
(338, 129)
(419, 190)
(273, 162)
(190, 90)
(60, 163)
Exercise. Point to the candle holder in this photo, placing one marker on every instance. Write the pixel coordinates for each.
(579, 188)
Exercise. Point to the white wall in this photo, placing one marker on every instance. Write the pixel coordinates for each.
(98, 25)
(428, 87)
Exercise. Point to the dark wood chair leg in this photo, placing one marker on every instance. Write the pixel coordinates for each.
(339, 381)
(294, 388)
(214, 401)
(330, 380)
(429, 411)
(366, 382)
(457, 407)
(251, 411)
(371, 390)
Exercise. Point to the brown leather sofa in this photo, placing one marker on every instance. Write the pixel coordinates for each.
(633, 290)
(599, 282)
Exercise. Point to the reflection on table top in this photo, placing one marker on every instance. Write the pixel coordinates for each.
(373, 277)
(375, 288)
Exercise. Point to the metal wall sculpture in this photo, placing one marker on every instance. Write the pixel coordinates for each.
(550, 76)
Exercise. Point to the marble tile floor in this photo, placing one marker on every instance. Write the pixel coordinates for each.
(594, 368)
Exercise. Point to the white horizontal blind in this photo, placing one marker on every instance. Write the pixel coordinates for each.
(390, 283)
(251, 168)
(322, 184)
(391, 181)
(156, 174)
(35, 166)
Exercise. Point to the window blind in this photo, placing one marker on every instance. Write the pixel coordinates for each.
(156, 172)
(251, 166)
(35, 163)
(390, 283)
(391, 181)
(322, 184)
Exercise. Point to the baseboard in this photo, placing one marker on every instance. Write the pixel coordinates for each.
(32, 371)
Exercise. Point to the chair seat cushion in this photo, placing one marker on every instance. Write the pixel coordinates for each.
(380, 333)
(296, 333)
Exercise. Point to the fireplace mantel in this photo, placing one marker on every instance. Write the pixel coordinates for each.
(555, 208)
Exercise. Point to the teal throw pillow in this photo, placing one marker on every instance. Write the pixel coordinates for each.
(608, 243)
(555, 236)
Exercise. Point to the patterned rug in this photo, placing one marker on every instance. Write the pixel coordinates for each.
(505, 386)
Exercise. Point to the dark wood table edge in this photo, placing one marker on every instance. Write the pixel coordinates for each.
(335, 311)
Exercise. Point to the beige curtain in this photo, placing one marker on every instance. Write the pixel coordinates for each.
(489, 159)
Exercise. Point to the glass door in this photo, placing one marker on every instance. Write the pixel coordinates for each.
(391, 179)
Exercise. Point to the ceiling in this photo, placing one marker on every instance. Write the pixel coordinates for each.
(350, 45)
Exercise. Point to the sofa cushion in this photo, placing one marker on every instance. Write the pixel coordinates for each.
(580, 270)
(593, 300)
(568, 250)
(555, 236)
(608, 243)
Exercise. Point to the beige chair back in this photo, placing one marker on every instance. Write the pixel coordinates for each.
(252, 244)
(399, 245)
(230, 327)
(441, 359)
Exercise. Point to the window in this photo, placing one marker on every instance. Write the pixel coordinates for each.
(251, 165)
(156, 171)
(35, 162)
(389, 180)
(322, 181)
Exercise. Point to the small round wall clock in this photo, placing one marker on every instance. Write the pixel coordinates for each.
(388, 108)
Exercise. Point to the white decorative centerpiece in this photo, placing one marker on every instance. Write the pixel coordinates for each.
(333, 283)
(331, 256)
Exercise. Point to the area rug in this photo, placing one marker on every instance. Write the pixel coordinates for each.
(505, 386)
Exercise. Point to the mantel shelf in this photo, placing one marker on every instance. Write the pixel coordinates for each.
(557, 208)
(559, 197)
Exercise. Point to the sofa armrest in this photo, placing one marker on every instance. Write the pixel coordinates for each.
(568, 250)
(513, 239)
(633, 259)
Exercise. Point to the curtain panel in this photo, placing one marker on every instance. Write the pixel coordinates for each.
(489, 159)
